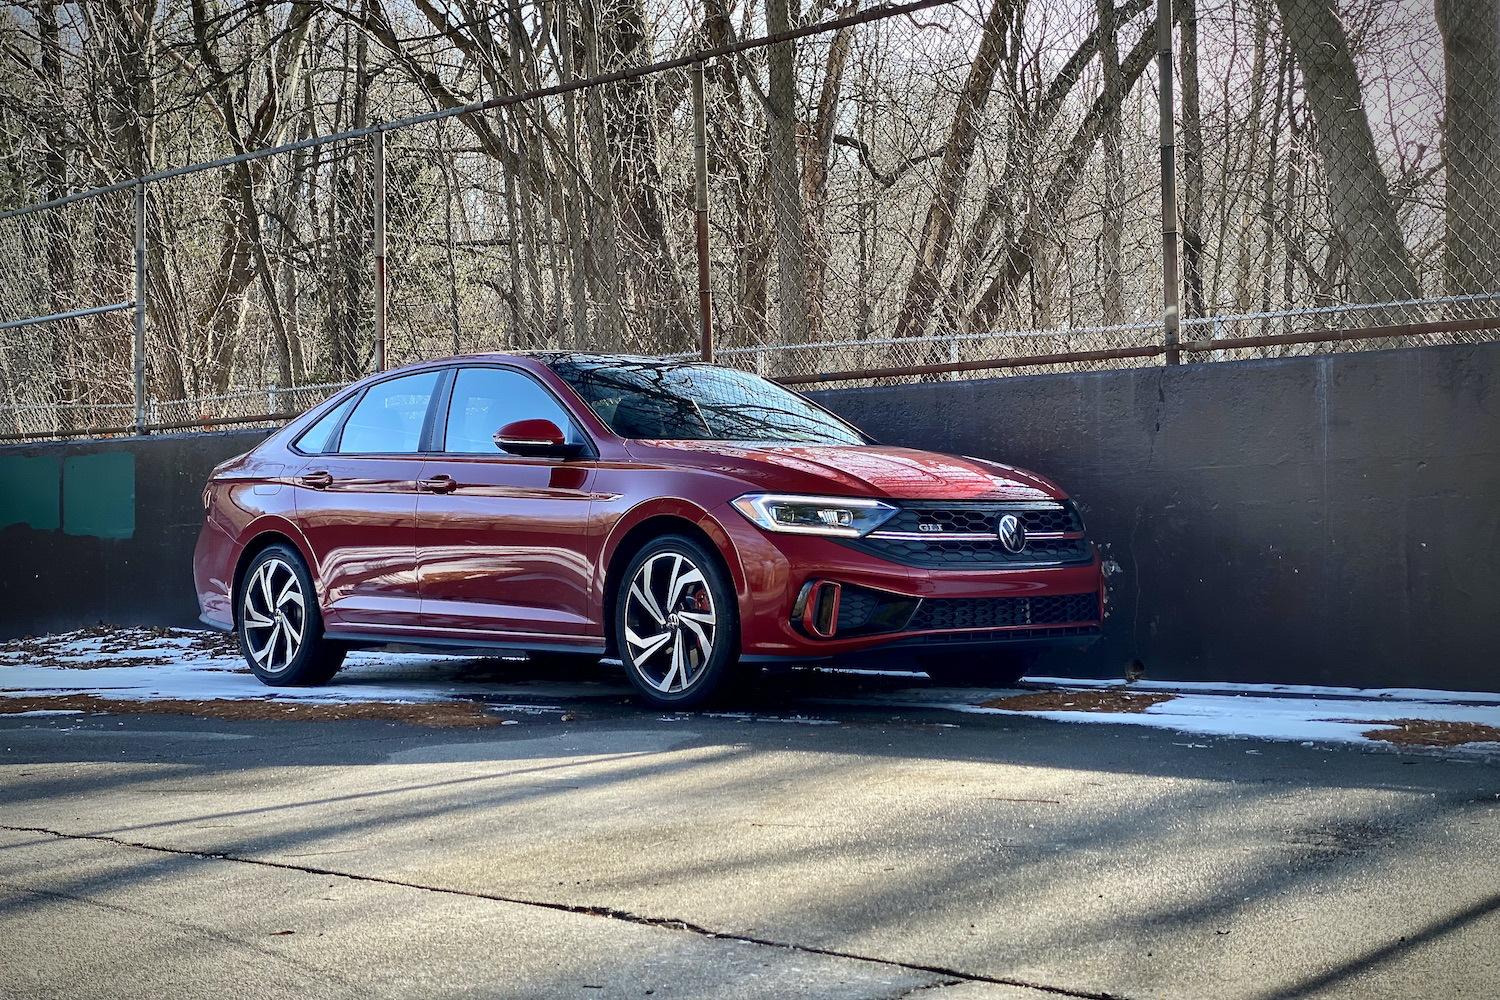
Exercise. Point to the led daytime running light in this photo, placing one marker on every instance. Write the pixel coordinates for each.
(840, 517)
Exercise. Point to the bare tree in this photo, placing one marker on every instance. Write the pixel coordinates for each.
(785, 187)
(1471, 143)
(1111, 210)
(958, 154)
(1376, 267)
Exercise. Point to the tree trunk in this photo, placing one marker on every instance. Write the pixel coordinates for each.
(958, 154)
(1111, 207)
(517, 115)
(349, 222)
(64, 334)
(815, 173)
(1192, 165)
(605, 279)
(1366, 233)
(785, 193)
(733, 137)
(580, 257)
(1471, 143)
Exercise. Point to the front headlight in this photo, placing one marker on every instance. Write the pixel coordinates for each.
(844, 517)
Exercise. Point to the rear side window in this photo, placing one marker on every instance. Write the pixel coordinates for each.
(389, 419)
(486, 399)
(314, 440)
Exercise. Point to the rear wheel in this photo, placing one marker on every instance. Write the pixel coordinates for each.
(982, 669)
(676, 623)
(279, 625)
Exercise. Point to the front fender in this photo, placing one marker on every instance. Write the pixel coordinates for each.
(674, 507)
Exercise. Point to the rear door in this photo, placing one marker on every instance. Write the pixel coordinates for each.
(357, 504)
(503, 543)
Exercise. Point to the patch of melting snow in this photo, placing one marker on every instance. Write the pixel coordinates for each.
(1308, 720)
(1273, 690)
(800, 720)
(41, 711)
(190, 665)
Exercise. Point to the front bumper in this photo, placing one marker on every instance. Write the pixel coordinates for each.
(978, 608)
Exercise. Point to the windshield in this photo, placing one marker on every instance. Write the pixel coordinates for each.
(643, 398)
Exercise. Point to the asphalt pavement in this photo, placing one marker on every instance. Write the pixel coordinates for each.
(834, 846)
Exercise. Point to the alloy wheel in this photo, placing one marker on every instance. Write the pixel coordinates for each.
(670, 622)
(275, 616)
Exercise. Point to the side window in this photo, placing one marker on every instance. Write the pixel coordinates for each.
(314, 440)
(388, 420)
(486, 399)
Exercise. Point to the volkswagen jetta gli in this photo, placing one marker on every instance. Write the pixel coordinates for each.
(684, 518)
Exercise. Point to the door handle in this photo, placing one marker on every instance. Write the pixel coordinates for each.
(320, 480)
(438, 484)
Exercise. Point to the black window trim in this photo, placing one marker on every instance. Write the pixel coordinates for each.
(439, 438)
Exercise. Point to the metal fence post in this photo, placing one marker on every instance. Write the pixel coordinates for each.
(140, 307)
(377, 140)
(700, 157)
(1170, 292)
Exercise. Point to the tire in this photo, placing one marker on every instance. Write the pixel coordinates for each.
(978, 669)
(676, 624)
(279, 625)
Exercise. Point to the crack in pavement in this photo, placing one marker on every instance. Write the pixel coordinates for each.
(187, 927)
(668, 923)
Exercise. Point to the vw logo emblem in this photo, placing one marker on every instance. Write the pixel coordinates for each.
(1011, 532)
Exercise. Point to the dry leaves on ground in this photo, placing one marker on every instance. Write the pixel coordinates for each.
(440, 714)
(1428, 732)
(1109, 700)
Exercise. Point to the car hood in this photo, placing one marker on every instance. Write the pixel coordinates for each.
(870, 470)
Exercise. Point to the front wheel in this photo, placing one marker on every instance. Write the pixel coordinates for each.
(280, 627)
(676, 623)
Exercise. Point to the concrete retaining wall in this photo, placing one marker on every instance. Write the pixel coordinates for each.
(1314, 520)
(103, 531)
(1331, 520)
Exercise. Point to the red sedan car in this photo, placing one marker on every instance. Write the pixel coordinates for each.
(684, 518)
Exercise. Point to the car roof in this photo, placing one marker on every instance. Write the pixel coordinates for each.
(549, 357)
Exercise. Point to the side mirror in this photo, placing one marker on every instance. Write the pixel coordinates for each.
(535, 439)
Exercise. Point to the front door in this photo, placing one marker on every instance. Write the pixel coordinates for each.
(357, 505)
(502, 541)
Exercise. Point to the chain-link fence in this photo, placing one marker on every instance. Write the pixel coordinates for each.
(939, 190)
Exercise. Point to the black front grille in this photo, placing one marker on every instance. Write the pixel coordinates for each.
(1053, 633)
(976, 554)
(930, 521)
(1004, 612)
(981, 516)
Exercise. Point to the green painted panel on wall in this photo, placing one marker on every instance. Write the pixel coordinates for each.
(99, 495)
(28, 492)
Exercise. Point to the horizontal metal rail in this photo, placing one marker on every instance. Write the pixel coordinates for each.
(1332, 336)
(974, 366)
(54, 317)
(619, 76)
(1152, 350)
(1028, 361)
(175, 425)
